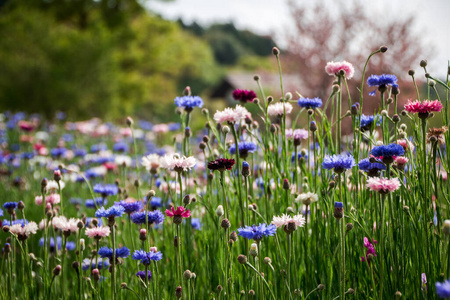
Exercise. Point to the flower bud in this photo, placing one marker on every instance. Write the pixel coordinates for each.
(225, 129)
(253, 250)
(275, 51)
(95, 274)
(20, 205)
(396, 118)
(288, 96)
(251, 293)
(143, 234)
(349, 226)
(423, 63)
(225, 224)
(129, 121)
(123, 285)
(446, 227)
(202, 146)
(411, 72)
(187, 91)
(178, 292)
(383, 49)
(57, 270)
(75, 265)
(242, 259)
(233, 236)
(431, 83)
(313, 126)
(187, 274)
(336, 88)
(286, 185)
(219, 211)
(186, 200)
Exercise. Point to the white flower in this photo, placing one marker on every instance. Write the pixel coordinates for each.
(177, 163)
(299, 220)
(307, 198)
(151, 162)
(121, 160)
(24, 231)
(278, 109)
(65, 225)
(52, 185)
(231, 115)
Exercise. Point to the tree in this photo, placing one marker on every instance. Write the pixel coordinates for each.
(326, 31)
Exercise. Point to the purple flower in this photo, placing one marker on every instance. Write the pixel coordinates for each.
(244, 148)
(130, 207)
(113, 211)
(106, 189)
(257, 232)
(141, 274)
(443, 289)
(309, 102)
(146, 257)
(338, 162)
(153, 217)
(189, 102)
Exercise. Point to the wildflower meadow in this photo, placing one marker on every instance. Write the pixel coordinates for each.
(273, 198)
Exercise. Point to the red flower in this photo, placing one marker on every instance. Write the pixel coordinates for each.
(426, 106)
(180, 211)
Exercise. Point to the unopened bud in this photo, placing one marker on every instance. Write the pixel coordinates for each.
(383, 49)
(446, 227)
(57, 270)
(143, 234)
(242, 259)
(187, 274)
(225, 224)
(129, 121)
(423, 63)
(275, 51)
(219, 211)
(225, 129)
(411, 72)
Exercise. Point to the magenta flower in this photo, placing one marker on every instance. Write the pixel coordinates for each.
(370, 249)
(180, 211)
(383, 185)
(333, 68)
(244, 95)
(424, 107)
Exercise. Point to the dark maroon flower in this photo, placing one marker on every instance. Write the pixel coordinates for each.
(221, 164)
(244, 95)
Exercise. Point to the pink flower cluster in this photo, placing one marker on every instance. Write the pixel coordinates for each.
(370, 248)
(423, 107)
(333, 68)
(278, 109)
(98, 232)
(383, 185)
(49, 199)
(177, 163)
(231, 115)
(180, 211)
(300, 134)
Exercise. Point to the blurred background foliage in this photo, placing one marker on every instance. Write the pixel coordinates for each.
(109, 59)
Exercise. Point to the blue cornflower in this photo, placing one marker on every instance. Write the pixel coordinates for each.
(443, 289)
(257, 232)
(172, 127)
(338, 205)
(309, 102)
(338, 162)
(155, 202)
(146, 257)
(105, 252)
(10, 206)
(244, 148)
(387, 152)
(245, 164)
(106, 189)
(141, 274)
(90, 173)
(367, 121)
(113, 211)
(123, 252)
(99, 201)
(382, 81)
(1, 213)
(372, 169)
(153, 217)
(189, 102)
(79, 152)
(196, 224)
(58, 152)
(121, 147)
(130, 207)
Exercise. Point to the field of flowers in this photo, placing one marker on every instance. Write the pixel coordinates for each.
(248, 207)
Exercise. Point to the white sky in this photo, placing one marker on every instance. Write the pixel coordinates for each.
(272, 17)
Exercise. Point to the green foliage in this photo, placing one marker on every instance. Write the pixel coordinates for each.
(101, 66)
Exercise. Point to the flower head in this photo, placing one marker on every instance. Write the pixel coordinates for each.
(90, 203)
(424, 107)
(130, 206)
(106, 252)
(221, 164)
(65, 225)
(387, 152)
(310, 102)
(98, 232)
(141, 274)
(52, 199)
(113, 211)
(307, 198)
(189, 102)
(23, 231)
(382, 82)
(367, 122)
(279, 109)
(443, 289)
(244, 95)
(151, 162)
(147, 257)
(334, 68)
(231, 115)
(177, 163)
(244, 148)
(106, 189)
(370, 248)
(383, 185)
(178, 213)
(284, 220)
(257, 232)
(297, 134)
(436, 135)
(153, 217)
(372, 169)
(339, 162)
(10, 206)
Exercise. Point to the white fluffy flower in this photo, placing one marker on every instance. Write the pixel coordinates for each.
(24, 232)
(299, 220)
(177, 163)
(65, 225)
(307, 198)
(231, 115)
(151, 162)
(121, 160)
(52, 185)
(278, 109)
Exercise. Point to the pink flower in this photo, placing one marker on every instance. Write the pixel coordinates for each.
(370, 248)
(333, 68)
(160, 128)
(98, 232)
(278, 109)
(406, 145)
(67, 226)
(423, 107)
(231, 115)
(180, 211)
(401, 160)
(298, 134)
(23, 232)
(49, 199)
(177, 163)
(383, 185)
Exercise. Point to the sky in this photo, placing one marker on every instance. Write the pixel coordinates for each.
(272, 17)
